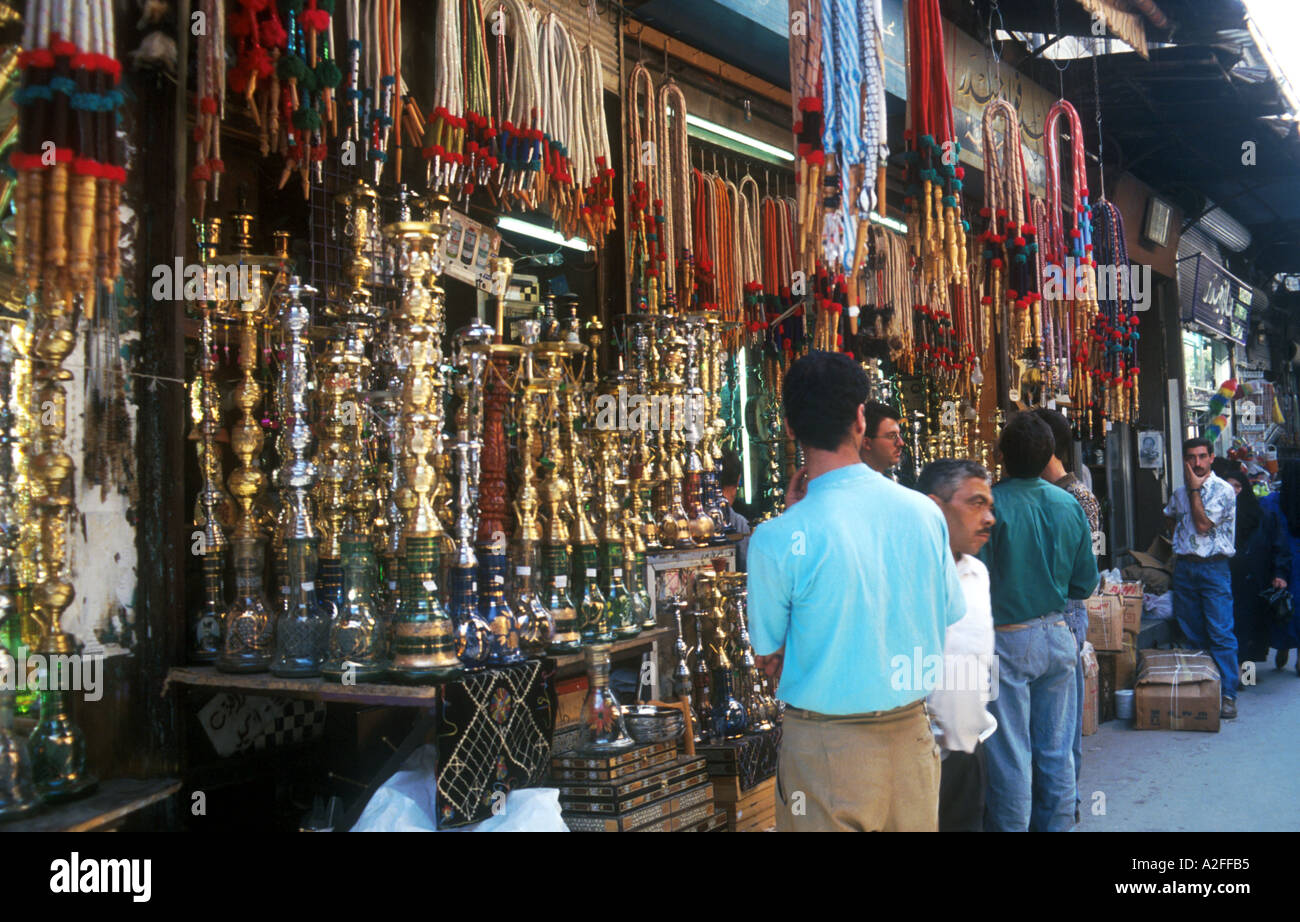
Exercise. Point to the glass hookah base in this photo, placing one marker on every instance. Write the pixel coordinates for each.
(359, 672)
(296, 669)
(631, 630)
(66, 787)
(18, 807)
(244, 663)
(424, 675)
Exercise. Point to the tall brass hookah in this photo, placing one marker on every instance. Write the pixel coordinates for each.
(674, 523)
(18, 795)
(56, 746)
(644, 471)
(356, 647)
(212, 504)
(248, 629)
(555, 492)
(589, 597)
(713, 373)
(610, 499)
(423, 635)
(536, 623)
(696, 425)
(760, 706)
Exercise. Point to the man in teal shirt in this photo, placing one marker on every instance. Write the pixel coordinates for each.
(851, 592)
(1038, 556)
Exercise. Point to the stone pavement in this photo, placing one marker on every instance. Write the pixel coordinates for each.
(1244, 778)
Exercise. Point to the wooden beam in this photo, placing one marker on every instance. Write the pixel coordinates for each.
(707, 63)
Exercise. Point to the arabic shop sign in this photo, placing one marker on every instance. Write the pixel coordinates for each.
(1219, 301)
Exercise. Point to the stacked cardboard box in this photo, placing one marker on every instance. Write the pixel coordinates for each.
(644, 789)
(1088, 663)
(1114, 621)
(1177, 690)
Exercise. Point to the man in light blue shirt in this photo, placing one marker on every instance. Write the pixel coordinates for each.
(851, 592)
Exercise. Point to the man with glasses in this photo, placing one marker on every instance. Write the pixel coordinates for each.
(882, 449)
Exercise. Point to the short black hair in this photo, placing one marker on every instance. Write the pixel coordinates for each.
(942, 478)
(1026, 445)
(822, 394)
(1061, 434)
(877, 413)
(1197, 443)
(729, 469)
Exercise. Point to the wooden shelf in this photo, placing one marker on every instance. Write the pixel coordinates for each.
(263, 683)
(644, 639)
(111, 803)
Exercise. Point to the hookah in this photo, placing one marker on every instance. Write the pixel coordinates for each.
(673, 523)
(642, 468)
(302, 631)
(423, 638)
(593, 608)
(204, 635)
(759, 707)
(700, 525)
(729, 719)
(507, 625)
(536, 624)
(715, 425)
(475, 643)
(555, 492)
(248, 628)
(613, 549)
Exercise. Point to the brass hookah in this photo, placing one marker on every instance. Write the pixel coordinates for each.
(760, 708)
(210, 505)
(711, 372)
(694, 404)
(729, 718)
(643, 471)
(536, 623)
(423, 636)
(302, 629)
(593, 608)
(56, 746)
(613, 540)
(18, 795)
(346, 368)
(674, 525)
(556, 490)
(248, 628)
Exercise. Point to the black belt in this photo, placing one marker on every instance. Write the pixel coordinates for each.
(1212, 559)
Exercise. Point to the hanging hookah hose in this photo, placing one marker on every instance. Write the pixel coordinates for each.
(674, 184)
(750, 248)
(645, 206)
(441, 148)
(1116, 332)
(1071, 248)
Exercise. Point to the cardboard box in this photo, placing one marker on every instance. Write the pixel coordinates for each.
(1105, 623)
(1126, 663)
(1088, 663)
(1177, 690)
(1132, 610)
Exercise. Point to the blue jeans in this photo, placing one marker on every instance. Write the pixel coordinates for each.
(1203, 607)
(1030, 762)
(1076, 616)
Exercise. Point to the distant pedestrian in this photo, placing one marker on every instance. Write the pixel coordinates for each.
(882, 449)
(1286, 504)
(1263, 559)
(1058, 474)
(1039, 556)
(1203, 515)
(959, 708)
(856, 573)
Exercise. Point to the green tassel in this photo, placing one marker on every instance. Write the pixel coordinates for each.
(328, 74)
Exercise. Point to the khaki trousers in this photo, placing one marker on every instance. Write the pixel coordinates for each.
(858, 773)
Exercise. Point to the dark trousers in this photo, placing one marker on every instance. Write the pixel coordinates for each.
(961, 791)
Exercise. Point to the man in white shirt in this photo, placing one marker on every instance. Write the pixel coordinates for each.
(957, 708)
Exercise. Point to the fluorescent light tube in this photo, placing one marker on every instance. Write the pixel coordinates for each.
(536, 231)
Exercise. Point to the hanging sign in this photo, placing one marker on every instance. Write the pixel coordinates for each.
(1220, 301)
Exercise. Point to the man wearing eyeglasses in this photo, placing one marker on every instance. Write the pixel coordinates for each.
(882, 448)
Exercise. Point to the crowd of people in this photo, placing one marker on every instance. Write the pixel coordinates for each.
(927, 642)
